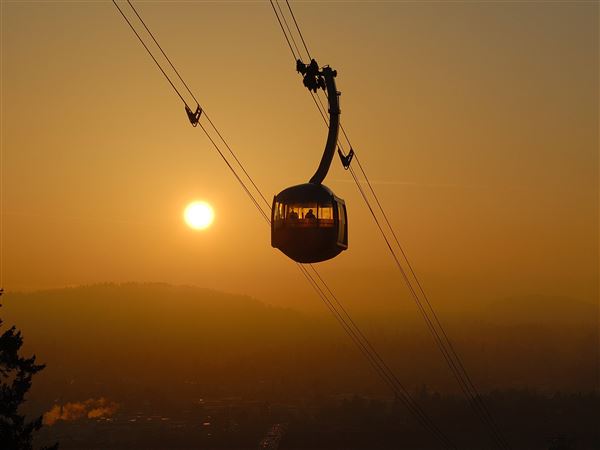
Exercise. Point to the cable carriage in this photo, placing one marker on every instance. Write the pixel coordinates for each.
(309, 223)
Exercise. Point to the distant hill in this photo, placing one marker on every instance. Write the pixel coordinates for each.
(142, 326)
(128, 337)
(132, 339)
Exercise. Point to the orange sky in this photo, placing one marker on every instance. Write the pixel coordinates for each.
(477, 122)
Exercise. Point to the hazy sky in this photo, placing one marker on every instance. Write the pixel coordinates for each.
(476, 121)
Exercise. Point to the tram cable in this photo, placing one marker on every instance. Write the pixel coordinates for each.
(373, 358)
(238, 178)
(298, 28)
(447, 350)
(195, 99)
(150, 53)
(432, 321)
(294, 56)
(288, 28)
(161, 49)
(454, 359)
(235, 174)
(344, 319)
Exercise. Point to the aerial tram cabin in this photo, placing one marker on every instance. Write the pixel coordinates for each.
(309, 223)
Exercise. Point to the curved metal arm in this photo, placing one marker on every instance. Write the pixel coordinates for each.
(334, 123)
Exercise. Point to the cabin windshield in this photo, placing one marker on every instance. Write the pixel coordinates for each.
(304, 214)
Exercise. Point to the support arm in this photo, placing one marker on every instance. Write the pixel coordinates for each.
(334, 124)
(313, 80)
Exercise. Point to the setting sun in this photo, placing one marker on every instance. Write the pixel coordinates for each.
(198, 215)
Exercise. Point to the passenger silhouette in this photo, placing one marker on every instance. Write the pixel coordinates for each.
(310, 215)
(293, 215)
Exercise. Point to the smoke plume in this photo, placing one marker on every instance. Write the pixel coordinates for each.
(90, 409)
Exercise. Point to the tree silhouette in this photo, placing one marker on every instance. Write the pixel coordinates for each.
(16, 372)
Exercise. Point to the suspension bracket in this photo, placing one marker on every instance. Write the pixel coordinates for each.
(346, 159)
(194, 116)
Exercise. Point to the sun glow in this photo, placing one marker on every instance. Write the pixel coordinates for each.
(198, 215)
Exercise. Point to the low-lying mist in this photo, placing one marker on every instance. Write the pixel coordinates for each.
(134, 341)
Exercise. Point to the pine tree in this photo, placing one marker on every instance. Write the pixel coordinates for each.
(16, 372)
